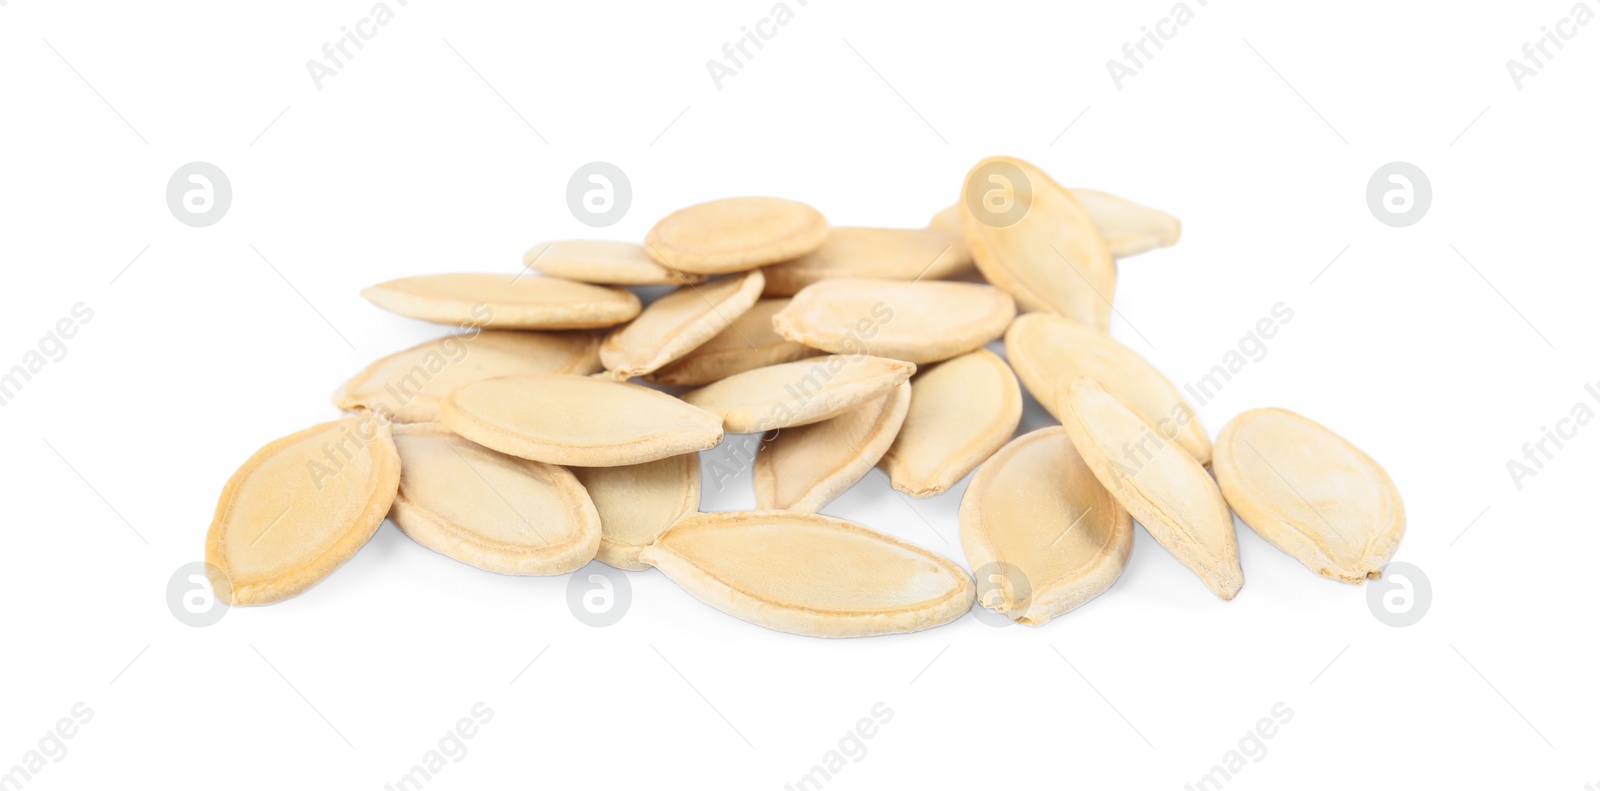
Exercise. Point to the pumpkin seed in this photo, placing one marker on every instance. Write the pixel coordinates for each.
(1310, 493)
(1030, 237)
(300, 507)
(1128, 228)
(1161, 485)
(810, 574)
(884, 253)
(735, 234)
(1036, 510)
(919, 322)
(749, 342)
(805, 467)
(512, 302)
(675, 324)
(798, 393)
(962, 411)
(639, 502)
(567, 419)
(611, 263)
(408, 385)
(1047, 351)
(484, 508)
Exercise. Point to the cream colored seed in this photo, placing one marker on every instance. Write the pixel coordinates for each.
(484, 508)
(803, 468)
(1047, 350)
(1041, 532)
(610, 263)
(300, 507)
(962, 410)
(638, 503)
(408, 385)
(810, 574)
(920, 322)
(1310, 493)
(798, 393)
(882, 253)
(1049, 255)
(735, 234)
(748, 343)
(515, 302)
(577, 420)
(1128, 228)
(677, 323)
(1161, 485)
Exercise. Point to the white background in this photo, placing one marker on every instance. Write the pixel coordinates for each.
(1439, 348)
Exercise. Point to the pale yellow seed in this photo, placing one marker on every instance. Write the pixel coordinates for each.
(639, 502)
(921, 322)
(512, 302)
(677, 323)
(881, 253)
(1128, 228)
(962, 410)
(798, 393)
(735, 234)
(610, 263)
(803, 468)
(748, 343)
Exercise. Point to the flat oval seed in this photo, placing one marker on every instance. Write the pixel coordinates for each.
(883, 253)
(408, 385)
(1048, 351)
(798, 393)
(735, 234)
(639, 502)
(611, 263)
(1030, 237)
(962, 411)
(1161, 485)
(509, 302)
(675, 324)
(484, 508)
(300, 507)
(749, 342)
(805, 467)
(1037, 517)
(1310, 493)
(1128, 228)
(921, 322)
(810, 574)
(589, 422)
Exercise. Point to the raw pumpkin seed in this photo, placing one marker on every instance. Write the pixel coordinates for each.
(1128, 228)
(497, 512)
(798, 393)
(749, 342)
(884, 253)
(675, 324)
(921, 322)
(611, 263)
(512, 302)
(566, 419)
(1161, 485)
(408, 385)
(962, 410)
(803, 468)
(810, 574)
(1047, 350)
(639, 502)
(300, 507)
(1036, 515)
(1030, 237)
(735, 234)
(1310, 493)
